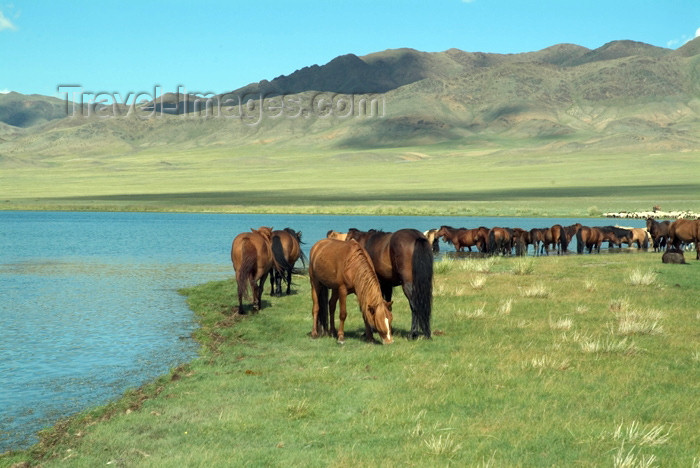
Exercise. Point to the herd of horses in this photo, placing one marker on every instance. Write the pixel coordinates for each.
(509, 241)
(368, 264)
(371, 263)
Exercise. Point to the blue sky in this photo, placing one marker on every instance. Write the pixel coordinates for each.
(217, 46)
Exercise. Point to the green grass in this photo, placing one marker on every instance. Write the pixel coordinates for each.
(444, 179)
(509, 378)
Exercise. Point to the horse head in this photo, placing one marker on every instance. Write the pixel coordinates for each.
(443, 233)
(379, 317)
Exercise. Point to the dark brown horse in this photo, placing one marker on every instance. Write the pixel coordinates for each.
(403, 258)
(537, 239)
(500, 241)
(286, 248)
(521, 239)
(685, 231)
(345, 268)
(251, 255)
(659, 233)
(558, 238)
(591, 238)
(571, 232)
(461, 238)
(620, 235)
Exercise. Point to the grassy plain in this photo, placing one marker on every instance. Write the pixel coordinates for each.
(588, 360)
(485, 178)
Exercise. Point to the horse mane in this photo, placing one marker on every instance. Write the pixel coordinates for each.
(264, 231)
(296, 234)
(365, 279)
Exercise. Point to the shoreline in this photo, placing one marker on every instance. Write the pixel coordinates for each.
(653, 214)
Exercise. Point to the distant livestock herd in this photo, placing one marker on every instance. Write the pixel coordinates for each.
(663, 235)
(371, 263)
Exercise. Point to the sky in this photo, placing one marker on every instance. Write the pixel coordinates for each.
(217, 46)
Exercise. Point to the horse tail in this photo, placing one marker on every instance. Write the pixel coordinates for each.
(563, 240)
(579, 242)
(422, 296)
(492, 242)
(281, 263)
(247, 268)
(283, 268)
(303, 257)
(322, 320)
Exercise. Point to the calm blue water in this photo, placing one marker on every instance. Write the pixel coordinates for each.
(88, 301)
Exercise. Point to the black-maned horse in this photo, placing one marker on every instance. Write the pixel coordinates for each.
(658, 232)
(286, 248)
(403, 258)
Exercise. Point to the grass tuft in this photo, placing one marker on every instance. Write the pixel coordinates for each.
(505, 306)
(442, 445)
(478, 265)
(524, 266)
(561, 324)
(639, 322)
(630, 459)
(538, 290)
(637, 277)
(634, 433)
(478, 282)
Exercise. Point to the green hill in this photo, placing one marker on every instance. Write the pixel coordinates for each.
(624, 100)
(19, 110)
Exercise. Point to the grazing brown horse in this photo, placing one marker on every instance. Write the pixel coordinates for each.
(286, 248)
(461, 237)
(500, 241)
(345, 268)
(403, 258)
(685, 231)
(251, 254)
(591, 238)
(640, 236)
(659, 232)
(617, 236)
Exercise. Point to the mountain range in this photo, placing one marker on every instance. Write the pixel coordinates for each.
(624, 95)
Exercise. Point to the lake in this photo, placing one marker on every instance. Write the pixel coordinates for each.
(89, 304)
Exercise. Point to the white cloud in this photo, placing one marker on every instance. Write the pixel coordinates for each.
(5, 91)
(673, 43)
(6, 23)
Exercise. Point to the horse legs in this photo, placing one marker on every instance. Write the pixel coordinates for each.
(332, 302)
(240, 301)
(257, 288)
(342, 296)
(415, 326)
(314, 310)
(272, 284)
(289, 283)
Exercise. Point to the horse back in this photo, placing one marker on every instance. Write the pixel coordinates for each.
(327, 262)
(401, 250)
